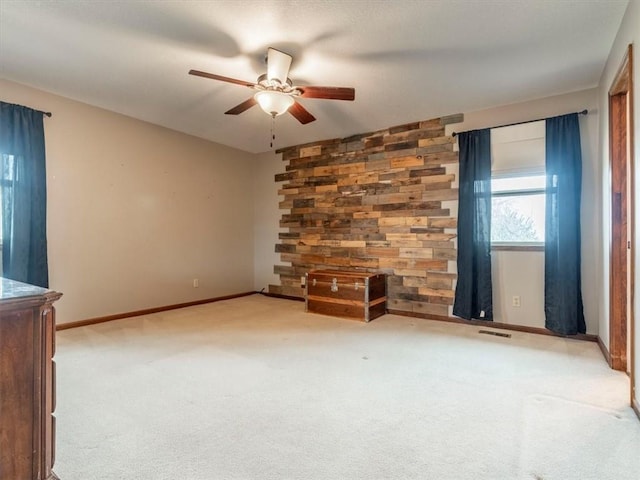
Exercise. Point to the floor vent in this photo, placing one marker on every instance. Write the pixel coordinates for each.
(497, 334)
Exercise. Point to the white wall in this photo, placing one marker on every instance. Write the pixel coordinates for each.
(629, 33)
(522, 273)
(267, 219)
(137, 211)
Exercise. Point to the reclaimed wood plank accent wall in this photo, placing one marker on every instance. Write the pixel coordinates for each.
(374, 203)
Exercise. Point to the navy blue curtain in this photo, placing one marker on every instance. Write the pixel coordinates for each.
(473, 298)
(24, 195)
(562, 285)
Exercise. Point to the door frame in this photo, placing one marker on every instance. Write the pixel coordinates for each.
(622, 249)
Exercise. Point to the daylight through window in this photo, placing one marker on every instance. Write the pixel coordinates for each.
(517, 209)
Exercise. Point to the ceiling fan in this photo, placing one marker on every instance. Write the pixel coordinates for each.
(276, 93)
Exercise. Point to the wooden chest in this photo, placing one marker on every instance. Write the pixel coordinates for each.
(357, 295)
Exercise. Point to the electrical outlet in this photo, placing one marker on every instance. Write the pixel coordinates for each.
(515, 301)
(196, 283)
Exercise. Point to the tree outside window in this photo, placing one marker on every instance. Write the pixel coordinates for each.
(517, 213)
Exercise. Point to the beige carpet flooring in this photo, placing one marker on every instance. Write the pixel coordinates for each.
(254, 388)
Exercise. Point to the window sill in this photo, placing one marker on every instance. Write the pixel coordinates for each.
(518, 248)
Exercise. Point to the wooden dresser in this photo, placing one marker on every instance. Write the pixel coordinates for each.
(27, 381)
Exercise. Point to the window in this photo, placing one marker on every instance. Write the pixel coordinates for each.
(518, 209)
(8, 175)
(518, 186)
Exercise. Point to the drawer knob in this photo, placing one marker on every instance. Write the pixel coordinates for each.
(357, 286)
(334, 285)
(314, 282)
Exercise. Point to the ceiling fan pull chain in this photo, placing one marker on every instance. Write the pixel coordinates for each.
(273, 130)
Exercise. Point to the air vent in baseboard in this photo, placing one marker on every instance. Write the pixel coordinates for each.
(497, 334)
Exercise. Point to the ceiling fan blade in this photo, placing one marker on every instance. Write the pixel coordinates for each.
(330, 93)
(246, 105)
(278, 64)
(221, 78)
(301, 113)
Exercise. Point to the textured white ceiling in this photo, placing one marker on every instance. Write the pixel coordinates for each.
(407, 59)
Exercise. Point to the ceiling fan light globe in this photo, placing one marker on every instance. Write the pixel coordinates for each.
(273, 103)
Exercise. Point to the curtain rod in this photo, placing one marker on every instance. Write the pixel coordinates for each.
(583, 112)
(47, 114)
